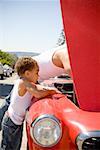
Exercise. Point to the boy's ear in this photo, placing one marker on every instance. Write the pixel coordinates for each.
(26, 73)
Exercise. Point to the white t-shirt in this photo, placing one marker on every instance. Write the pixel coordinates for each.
(18, 104)
(46, 67)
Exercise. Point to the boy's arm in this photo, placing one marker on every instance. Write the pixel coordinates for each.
(39, 91)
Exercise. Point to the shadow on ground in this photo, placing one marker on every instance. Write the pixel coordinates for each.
(5, 89)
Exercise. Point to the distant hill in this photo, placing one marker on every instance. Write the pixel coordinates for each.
(20, 54)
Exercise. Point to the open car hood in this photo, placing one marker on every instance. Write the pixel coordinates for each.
(82, 29)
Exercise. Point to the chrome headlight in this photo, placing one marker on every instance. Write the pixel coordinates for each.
(46, 131)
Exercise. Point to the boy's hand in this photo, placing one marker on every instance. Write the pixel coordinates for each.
(53, 90)
(40, 91)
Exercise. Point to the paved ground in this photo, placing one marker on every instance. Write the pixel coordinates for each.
(5, 87)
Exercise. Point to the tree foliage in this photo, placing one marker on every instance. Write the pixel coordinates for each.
(7, 58)
(61, 39)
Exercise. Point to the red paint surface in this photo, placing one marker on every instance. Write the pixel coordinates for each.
(81, 20)
(74, 120)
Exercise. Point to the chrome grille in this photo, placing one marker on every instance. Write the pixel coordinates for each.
(89, 140)
(92, 143)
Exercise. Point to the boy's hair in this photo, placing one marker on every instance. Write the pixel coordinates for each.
(25, 63)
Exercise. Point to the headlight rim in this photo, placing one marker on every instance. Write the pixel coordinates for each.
(43, 117)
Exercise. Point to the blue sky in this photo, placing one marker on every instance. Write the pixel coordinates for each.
(30, 25)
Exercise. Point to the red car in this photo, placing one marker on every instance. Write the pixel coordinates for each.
(70, 121)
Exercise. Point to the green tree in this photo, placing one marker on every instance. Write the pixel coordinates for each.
(61, 39)
(7, 58)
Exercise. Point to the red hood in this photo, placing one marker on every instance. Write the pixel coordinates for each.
(82, 29)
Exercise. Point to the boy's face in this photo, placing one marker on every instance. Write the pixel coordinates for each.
(32, 75)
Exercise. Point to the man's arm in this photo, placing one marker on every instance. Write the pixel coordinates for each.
(66, 66)
(64, 57)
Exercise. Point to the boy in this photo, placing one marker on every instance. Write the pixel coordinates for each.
(24, 89)
(57, 60)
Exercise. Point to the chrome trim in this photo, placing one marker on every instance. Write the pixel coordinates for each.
(43, 117)
(84, 136)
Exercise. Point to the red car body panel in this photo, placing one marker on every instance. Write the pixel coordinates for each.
(73, 119)
(54, 105)
(81, 20)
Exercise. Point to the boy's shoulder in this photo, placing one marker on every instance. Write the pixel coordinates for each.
(19, 80)
(20, 83)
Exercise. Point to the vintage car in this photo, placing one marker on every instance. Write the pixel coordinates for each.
(1, 70)
(70, 121)
(7, 70)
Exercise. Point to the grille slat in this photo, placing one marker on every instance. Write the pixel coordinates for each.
(92, 143)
